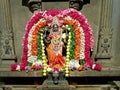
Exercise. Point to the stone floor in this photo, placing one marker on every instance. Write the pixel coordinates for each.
(106, 71)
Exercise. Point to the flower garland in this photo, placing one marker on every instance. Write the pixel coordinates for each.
(80, 41)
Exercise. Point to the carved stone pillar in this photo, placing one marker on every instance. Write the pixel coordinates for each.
(105, 33)
(7, 52)
(0, 44)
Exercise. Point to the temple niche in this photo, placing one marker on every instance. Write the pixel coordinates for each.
(103, 16)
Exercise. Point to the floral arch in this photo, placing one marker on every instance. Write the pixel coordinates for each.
(57, 40)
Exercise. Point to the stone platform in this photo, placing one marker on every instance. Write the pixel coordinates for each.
(107, 79)
(107, 71)
(70, 87)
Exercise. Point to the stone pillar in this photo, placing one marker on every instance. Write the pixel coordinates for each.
(7, 52)
(105, 32)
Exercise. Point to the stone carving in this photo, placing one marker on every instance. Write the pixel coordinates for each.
(77, 4)
(7, 42)
(105, 44)
(36, 5)
(105, 33)
(7, 48)
(33, 5)
(54, 78)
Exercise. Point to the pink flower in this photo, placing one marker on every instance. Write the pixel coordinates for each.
(56, 69)
(13, 67)
(86, 66)
(40, 66)
(52, 12)
(28, 68)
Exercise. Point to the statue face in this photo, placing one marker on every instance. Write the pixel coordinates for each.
(55, 28)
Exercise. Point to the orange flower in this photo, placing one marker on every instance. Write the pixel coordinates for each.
(35, 67)
(70, 22)
(65, 21)
(37, 27)
(73, 21)
(80, 67)
(43, 24)
(34, 53)
(78, 42)
(35, 32)
(33, 36)
(75, 25)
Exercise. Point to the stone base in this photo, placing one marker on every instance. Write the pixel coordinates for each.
(59, 87)
(62, 85)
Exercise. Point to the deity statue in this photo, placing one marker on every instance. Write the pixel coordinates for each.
(54, 49)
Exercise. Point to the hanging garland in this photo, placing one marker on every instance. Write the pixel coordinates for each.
(78, 44)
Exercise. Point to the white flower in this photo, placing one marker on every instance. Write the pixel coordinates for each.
(74, 63)
(39, 62)
(18, 68)
(32, 59)
(49, 69)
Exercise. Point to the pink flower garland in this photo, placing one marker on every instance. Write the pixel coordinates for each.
(30, 24)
